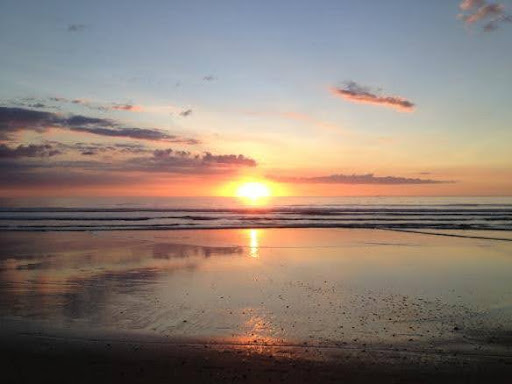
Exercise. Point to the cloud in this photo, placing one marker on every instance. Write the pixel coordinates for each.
(185, 162)
(475, 11)
(17, 170)
(488, 10)
(98, 106)
(359, 94)
(37, 105)
(368, 178)
(466, 5)
(126, 107)
(208, 158)
(30, 102)
(99, 148)
(76, 121)
(76, 27)
(135, 133)
(13, 120)
(31, 150)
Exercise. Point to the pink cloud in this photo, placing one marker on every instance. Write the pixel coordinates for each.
(481, 10)
(466, 5)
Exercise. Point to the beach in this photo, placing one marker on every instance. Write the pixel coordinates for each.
(256, 305)
(255, 192)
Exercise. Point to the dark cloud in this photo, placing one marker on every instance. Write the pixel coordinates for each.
(31, 150)
(132, 148)
(76, 27)
(77, 121)
(493, 24)
(88, 149)
(96, 106)
(208, 158)
(13, 120)
(359, 94)
(28, 102)
(186, 113)
(17, 119)
(491, 14)
(135, 133)
(37, 105)
(368, 178)
(185, 162)
(58, 99)
(17, 170)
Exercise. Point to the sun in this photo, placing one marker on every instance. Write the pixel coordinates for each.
(253, 190)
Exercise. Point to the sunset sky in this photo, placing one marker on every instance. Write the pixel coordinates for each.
(178, 98)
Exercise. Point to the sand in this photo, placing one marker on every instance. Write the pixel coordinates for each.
(296, 305)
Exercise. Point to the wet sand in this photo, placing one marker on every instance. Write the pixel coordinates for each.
(299, 305)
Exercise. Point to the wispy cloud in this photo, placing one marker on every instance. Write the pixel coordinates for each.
(14, 120)
(99, 106)
(354, 92)
(186, 113)
(76, 27)
(126, 107)
(134, 133)
(90, 149)
(31, 150)
(368, 178)
(492, 14)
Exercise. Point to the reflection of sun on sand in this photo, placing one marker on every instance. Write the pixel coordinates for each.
(257, 329)
(254, 243)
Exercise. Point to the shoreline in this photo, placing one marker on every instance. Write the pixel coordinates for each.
(439, 232)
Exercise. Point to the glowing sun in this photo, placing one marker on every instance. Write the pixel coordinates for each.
(253, 190)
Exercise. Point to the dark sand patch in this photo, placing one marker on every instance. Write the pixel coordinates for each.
(59, 356)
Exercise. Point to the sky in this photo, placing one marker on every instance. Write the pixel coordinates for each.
(192, 98)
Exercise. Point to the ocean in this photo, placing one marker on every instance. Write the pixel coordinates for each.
(399, 213)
